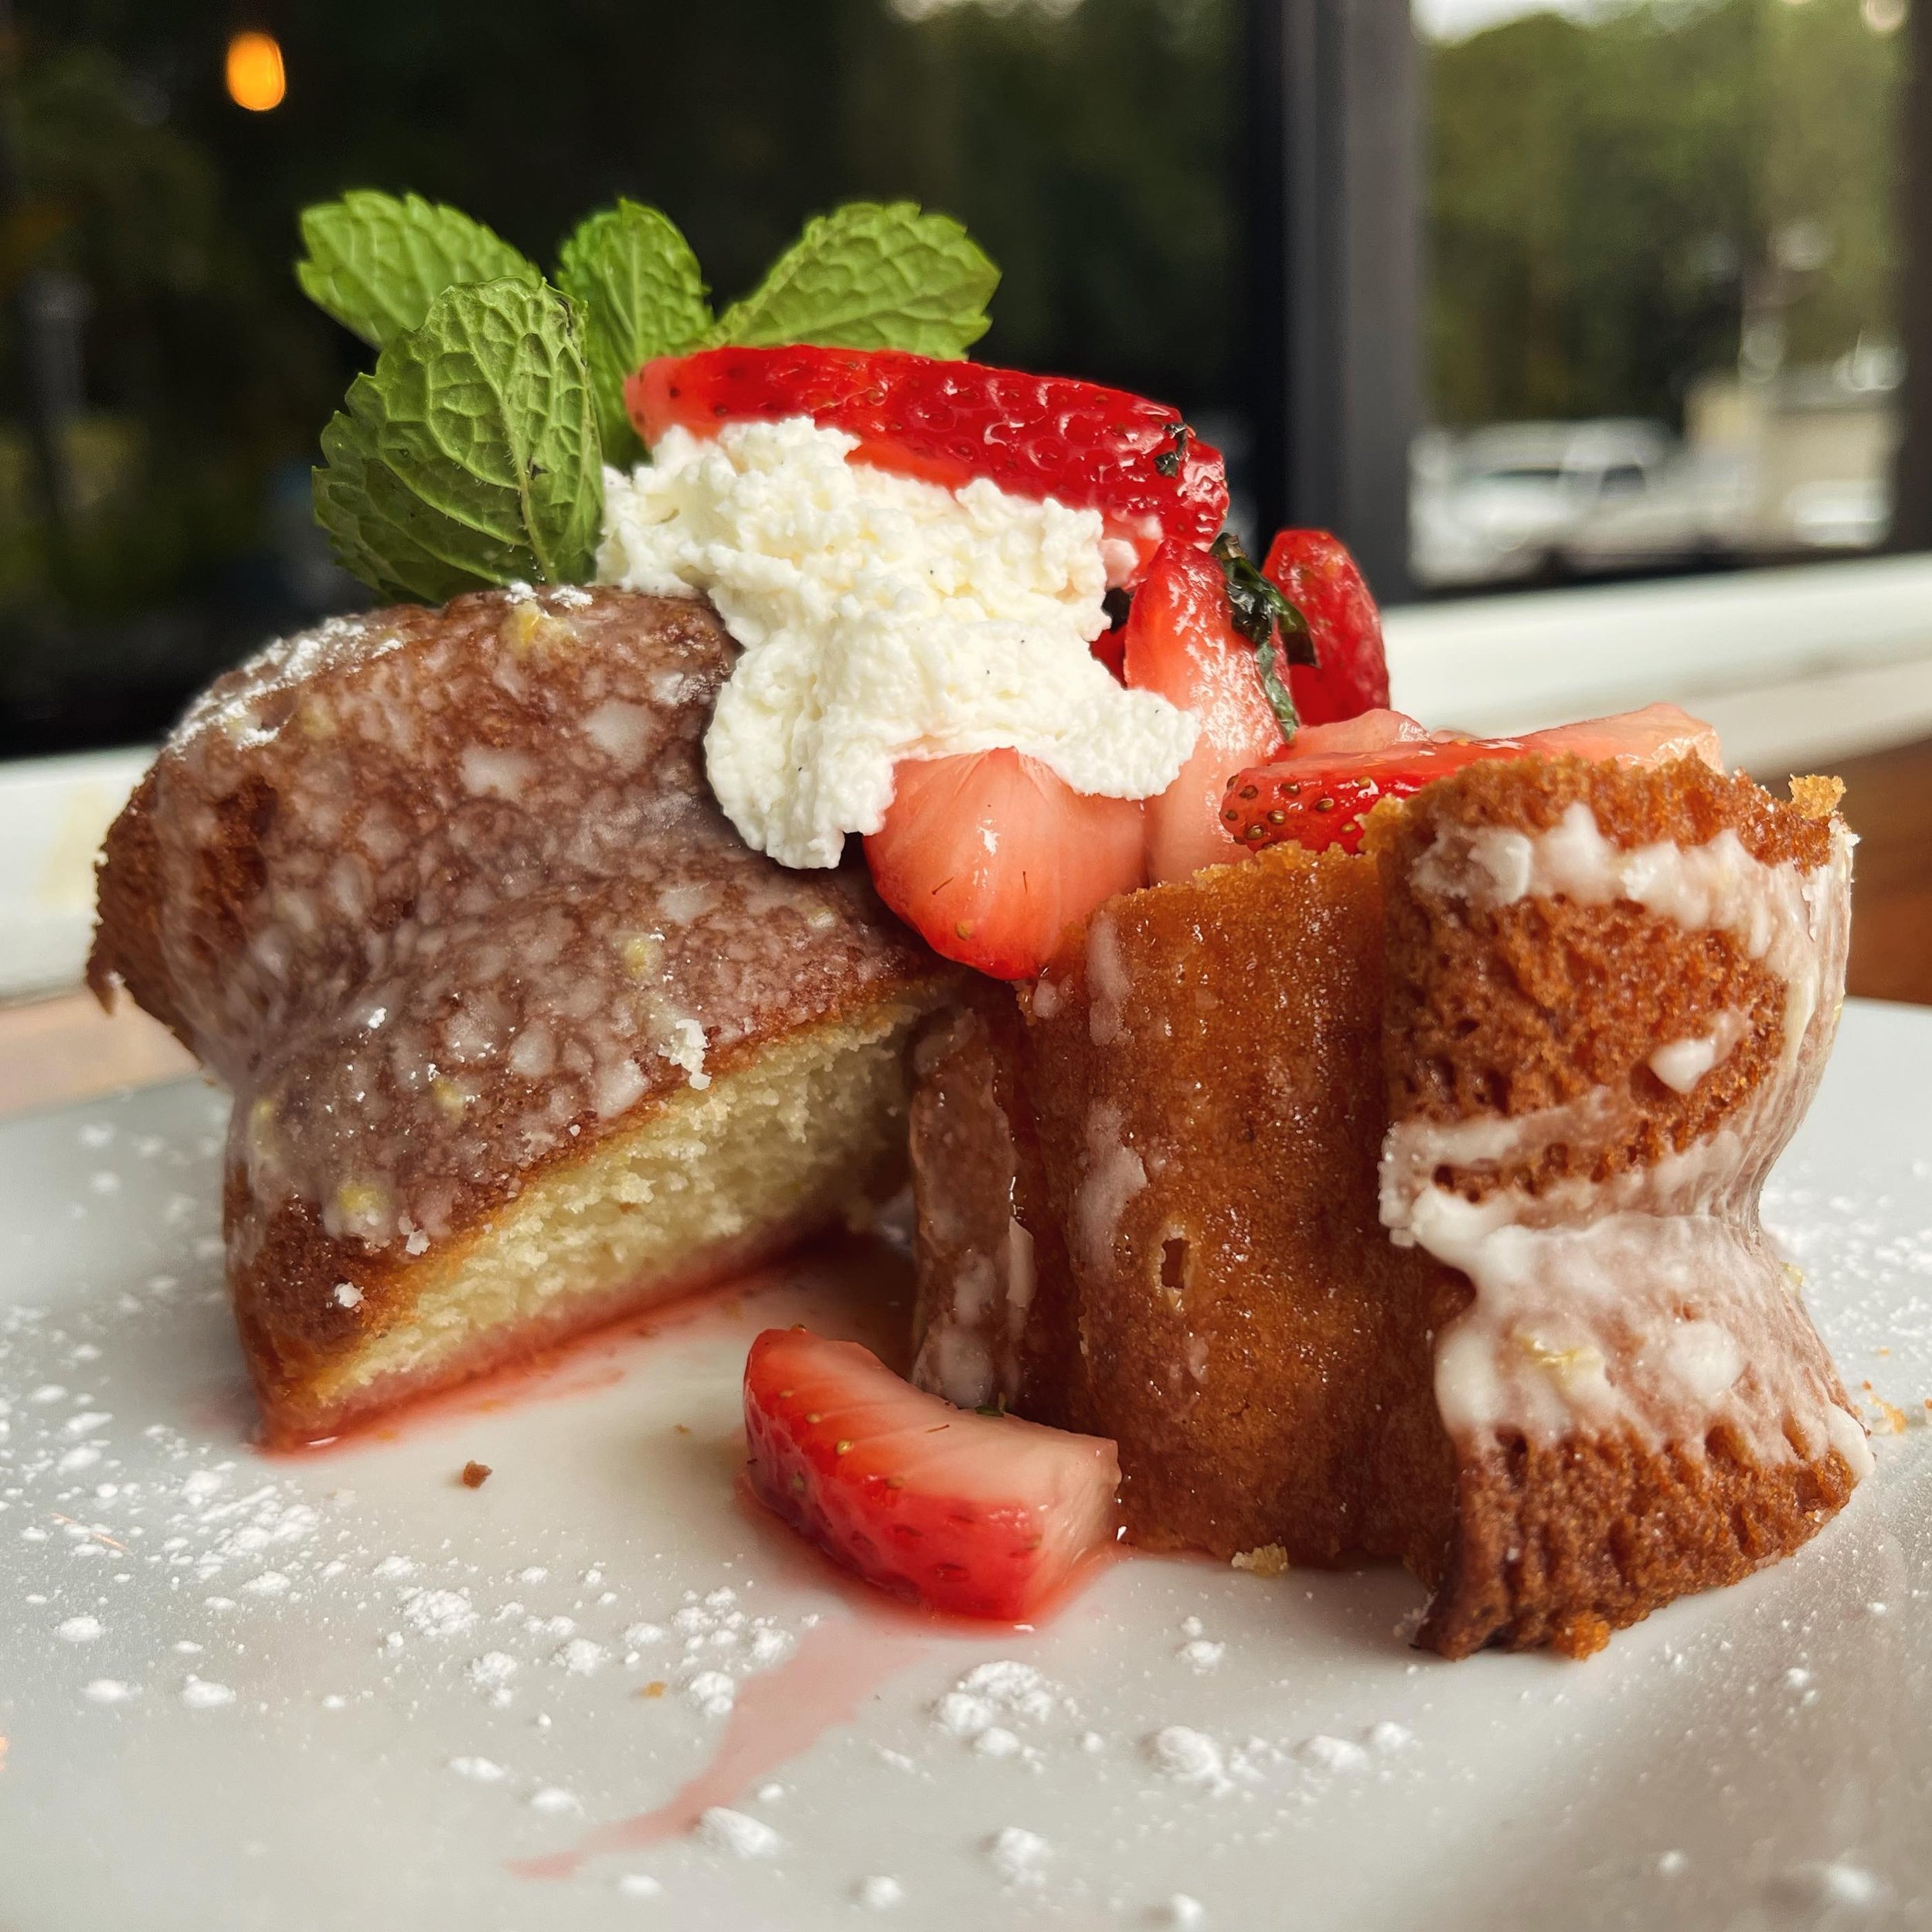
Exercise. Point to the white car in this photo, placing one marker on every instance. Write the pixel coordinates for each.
(1527, 500)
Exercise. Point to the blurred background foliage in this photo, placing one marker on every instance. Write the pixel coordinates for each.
(1609, 203)
(1606, 200)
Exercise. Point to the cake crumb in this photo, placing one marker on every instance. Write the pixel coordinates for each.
(475, 1474)
(1581, 1635)
(656, 1688)
(1817, 797)
(1270, 1559)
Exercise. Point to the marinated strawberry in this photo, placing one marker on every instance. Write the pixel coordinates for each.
(1653, 735)
(1134, 460)
(1333, 776)
(1350, 673)
(1181, 642)
(1318, 801)
(981, 1515)
(989, 857)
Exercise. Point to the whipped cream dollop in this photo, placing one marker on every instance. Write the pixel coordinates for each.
(882, 618)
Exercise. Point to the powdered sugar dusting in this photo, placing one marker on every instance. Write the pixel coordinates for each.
(739, 1834)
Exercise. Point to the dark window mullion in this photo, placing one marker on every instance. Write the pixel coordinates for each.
(1333, 172)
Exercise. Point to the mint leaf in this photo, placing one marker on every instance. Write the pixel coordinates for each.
(470, 455)
(376, 264)
(872, 275)
(637, 281)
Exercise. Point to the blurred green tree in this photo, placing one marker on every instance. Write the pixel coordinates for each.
(1599, 193)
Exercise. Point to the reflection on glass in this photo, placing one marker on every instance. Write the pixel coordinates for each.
(162, 382)
(1660, 236)
(1662, 260)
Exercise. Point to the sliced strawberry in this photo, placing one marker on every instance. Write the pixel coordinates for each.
(1181, 642)
(1134, 461)
(1654, 736)
(1333, 776)
(1350, 674)
(1319, 800)
(981, 1515)
(1366, 731)
(989, 857)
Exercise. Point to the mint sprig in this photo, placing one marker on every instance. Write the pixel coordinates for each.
(872, 275)
(473, 453)
(635, 279)
(470, 454)
(376, 262)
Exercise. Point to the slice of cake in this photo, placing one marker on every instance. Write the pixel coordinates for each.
(522, 1037)
(1611, 993)
(1404, 1205)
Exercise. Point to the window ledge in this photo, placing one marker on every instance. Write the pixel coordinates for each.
(1809, 663)
(1796, 667)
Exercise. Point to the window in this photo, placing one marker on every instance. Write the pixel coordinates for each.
(1510, 300)
(1685, 216)
(162, 382)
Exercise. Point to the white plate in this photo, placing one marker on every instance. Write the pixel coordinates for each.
(380, 1718)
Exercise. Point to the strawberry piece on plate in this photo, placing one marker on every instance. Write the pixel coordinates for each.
(989, 856)
(1181, 642)
(1334, 775)
(982, 1516)
(1134, 460)
(1350, 673)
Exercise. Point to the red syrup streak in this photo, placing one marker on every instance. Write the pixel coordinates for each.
(778, 1717)
(781, 1714)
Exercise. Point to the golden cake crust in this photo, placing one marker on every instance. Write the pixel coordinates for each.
(1210, 1074)
(1257, 1350)
(1496, 1012)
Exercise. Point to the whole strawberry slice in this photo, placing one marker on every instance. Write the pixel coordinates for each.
(981, 1515)
(1134, 460)
(1350, 673)
(989, 857)
(1181, 642)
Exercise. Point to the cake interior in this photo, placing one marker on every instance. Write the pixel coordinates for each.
(793, 1139)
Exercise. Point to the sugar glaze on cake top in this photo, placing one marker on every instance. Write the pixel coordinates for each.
(445, 892)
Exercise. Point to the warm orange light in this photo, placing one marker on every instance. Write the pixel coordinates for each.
(256, 80)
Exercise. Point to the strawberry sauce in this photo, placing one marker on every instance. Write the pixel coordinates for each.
(778, 1717)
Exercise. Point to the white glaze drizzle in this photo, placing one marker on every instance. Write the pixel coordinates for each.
(1651, 1303)
(969, 1352)
(1681, 1064)
(463, 955)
